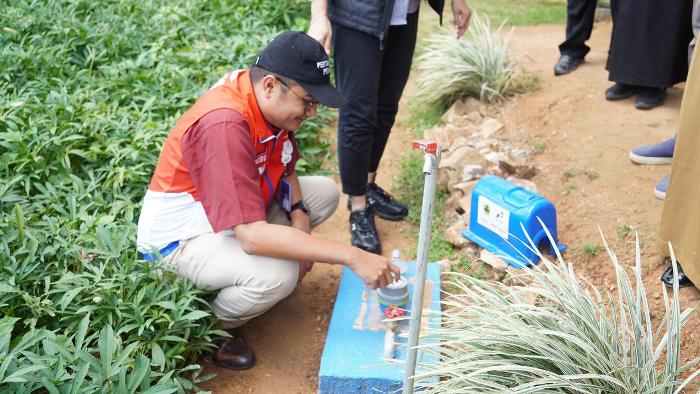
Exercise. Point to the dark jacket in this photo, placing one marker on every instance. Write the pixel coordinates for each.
(369, 16)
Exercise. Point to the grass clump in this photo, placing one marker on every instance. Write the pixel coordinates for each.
(538, 148)
(409, 183)
(573, 338)
(477, 65)
(623, 231)
(522, 12)
(422, 116)
(590, 249)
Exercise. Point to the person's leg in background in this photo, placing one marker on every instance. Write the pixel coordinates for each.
(579, 25)
(357, 64)
(662, 152)
(400, 44)
(679, 225)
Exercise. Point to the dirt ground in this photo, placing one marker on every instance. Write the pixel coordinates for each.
(584, 169)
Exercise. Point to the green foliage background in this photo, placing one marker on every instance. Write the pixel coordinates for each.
(88, 93)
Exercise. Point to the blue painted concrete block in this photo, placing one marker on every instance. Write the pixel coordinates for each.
(352, 360)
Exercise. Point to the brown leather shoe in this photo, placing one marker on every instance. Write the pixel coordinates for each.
(234, 353)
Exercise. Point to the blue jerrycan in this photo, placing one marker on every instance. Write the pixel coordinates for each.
(502, 212)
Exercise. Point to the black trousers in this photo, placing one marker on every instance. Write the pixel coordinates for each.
(649, 44)
(372, 78)
(579, 25)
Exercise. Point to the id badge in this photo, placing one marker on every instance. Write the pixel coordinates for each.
(286, 194)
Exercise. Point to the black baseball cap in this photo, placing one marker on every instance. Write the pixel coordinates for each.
(295, 55)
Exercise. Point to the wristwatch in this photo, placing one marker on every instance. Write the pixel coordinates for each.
(300, 205)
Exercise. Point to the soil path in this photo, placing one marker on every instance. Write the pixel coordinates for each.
(584, 170)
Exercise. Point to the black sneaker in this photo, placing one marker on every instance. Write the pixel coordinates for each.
(363, 232)
(667, 277)
(620, 91)
(383, 205)
(649, 98)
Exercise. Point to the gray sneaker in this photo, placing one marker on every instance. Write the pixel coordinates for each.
(661, 153)
(661, 187)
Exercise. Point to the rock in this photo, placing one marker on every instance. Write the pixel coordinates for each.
(459, 109)
(527, 295)
(520, 155)
(492, 260)
(494, 157)
(443, 180)
(445, 265)
(473, 117)
(492, 274)
(453, 234)
(517, 277)
(452, 204)
(440, 135)
(454, 178)
(490, 127)
(526, 172)
(472, 171)
(465, 204)
(471, 251)
(524, 183)
(485, 145)
(464, 187)
(459, 142)
(461, 157)
(519, 171)
(506, 167)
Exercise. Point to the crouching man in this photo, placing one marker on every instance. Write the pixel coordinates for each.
(225, 207)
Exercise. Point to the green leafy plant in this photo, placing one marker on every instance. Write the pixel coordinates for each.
(90, 91)
(559, 334)
(623, 231)
(568, 189)
(42, 359)
(409, 182)
(592, 175)
(538, 148)
(477, 65)
(590, 249)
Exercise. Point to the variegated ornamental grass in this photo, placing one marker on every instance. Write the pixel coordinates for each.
(477, 65)
(574, 338)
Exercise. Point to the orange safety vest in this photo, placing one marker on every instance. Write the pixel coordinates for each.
(234, 91)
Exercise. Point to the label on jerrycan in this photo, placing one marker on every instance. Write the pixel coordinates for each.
(493, 216)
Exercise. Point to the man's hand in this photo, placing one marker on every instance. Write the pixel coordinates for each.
(320, 26)
(375, 270)
(461, 14)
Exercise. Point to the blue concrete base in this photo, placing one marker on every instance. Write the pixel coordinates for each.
(352, 360)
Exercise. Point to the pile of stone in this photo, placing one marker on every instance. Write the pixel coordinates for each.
(472, 144)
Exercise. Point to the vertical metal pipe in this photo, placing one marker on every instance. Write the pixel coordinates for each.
(430, 170)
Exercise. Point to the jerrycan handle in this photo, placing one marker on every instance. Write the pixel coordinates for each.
(519, 197)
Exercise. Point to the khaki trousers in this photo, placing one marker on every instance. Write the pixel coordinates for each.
(680, 221)
(249, 285)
